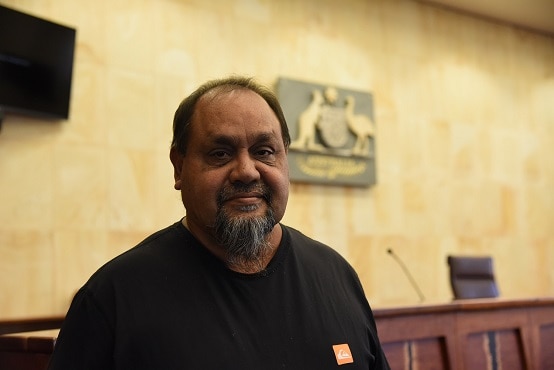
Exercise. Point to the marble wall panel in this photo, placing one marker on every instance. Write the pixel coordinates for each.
(465, 131)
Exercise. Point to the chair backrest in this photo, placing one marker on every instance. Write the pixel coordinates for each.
(472, 277)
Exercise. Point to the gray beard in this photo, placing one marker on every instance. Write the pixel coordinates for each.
(245, 238)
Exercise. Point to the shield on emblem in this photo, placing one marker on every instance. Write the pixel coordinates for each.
(332, 126)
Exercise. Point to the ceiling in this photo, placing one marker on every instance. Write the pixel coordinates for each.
(536, 15)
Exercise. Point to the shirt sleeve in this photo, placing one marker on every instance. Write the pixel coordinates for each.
(86, 339)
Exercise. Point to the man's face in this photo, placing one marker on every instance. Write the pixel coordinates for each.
(235, 162)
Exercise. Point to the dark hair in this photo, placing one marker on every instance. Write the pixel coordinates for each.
(183, 115)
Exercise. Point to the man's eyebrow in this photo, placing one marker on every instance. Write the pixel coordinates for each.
(264, 137)
(224, 140)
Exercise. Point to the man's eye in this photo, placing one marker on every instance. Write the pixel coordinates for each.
(266, 155)
(219, 154)
(265, 152)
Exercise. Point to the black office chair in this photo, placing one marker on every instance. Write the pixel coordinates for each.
(472, 277)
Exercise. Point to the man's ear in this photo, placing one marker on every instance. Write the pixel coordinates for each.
(177, 161)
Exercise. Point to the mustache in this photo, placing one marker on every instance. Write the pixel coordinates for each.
(229, 192)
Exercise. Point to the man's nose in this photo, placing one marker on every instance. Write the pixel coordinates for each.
(245, 169)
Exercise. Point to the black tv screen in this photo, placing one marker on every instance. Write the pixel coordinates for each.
(36, 65)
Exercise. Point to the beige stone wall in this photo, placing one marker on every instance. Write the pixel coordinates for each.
(465, 158)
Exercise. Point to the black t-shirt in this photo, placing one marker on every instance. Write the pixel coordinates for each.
(168, 303)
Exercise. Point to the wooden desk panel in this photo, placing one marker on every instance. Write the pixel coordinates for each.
(411, 341)
(542, 328)
(470, 334)
(26, 351)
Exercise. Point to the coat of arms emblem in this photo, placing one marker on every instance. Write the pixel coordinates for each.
(332, 131)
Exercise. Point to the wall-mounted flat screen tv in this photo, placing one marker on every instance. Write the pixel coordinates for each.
(36, 65)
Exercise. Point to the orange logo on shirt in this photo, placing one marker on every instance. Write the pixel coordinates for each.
(343, 354)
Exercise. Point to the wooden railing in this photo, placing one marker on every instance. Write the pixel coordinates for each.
(34, 324)
(470, 334)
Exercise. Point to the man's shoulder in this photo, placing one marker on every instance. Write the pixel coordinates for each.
(311, 248)
(155, 246)
(162, 238)
(316, 259)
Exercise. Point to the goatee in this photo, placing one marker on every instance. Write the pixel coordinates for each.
(244, 237)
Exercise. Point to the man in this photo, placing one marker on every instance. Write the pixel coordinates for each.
(228, 286)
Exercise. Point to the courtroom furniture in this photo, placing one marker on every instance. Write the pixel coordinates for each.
(26, 351)
(489, 334)
(472, 277)
(24, 343)
(31, 324)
